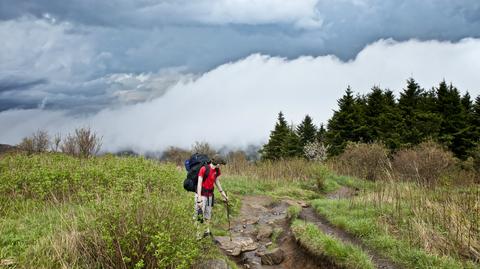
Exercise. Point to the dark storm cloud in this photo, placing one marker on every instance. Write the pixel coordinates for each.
(95, 54)
(12, 84)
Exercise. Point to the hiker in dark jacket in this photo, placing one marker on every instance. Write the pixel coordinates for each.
(204, 195)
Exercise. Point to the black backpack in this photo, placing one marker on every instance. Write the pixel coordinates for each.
(193, 166)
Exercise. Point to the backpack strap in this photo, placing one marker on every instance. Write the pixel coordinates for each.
(207, 170)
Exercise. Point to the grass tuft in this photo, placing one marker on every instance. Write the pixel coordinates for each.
(321, 245)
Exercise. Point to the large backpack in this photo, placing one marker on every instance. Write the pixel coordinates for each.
(193, 166)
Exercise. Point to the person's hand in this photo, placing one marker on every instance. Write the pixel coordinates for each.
(225, 197)
(200, 204)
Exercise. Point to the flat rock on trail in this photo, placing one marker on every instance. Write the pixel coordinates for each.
(261, 221)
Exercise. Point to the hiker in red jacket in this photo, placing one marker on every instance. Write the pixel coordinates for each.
(205, 189)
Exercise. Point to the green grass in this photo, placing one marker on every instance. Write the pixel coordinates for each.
(107, 212)
(362, 221)
(241, 185)
(340, 254)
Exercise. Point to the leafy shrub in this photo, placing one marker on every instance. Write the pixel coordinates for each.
(105, 212)
(368, 161)
(424, 163)
(319, 174)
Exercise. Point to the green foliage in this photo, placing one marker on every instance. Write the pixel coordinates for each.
(306, 131)
(275, 148)
(440, 114)
(319, 173)
(292, 145)
(341, 255)
(346, 124)
(105, 212)
(293, 212)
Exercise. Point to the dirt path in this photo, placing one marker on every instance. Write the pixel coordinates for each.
(262, 228)
(265, 221)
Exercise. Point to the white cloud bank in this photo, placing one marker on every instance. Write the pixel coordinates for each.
(237, 103)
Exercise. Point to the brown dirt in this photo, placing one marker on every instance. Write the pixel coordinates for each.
(263, 210)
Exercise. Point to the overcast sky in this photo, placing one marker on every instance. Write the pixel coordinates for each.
(148, 74)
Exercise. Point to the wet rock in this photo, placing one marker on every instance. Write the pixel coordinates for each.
(264, 232)
(237, 245)
(273, 257)
(250, 221)
(251, 260)
(214, 264)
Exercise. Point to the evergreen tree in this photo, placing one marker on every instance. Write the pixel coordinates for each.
(292, 146)
(475, 120)
(275, 147)
(427, 119)
(321, 134)
(409, 109)
(306, 131)
(453, 129)
(390, 122)
(346, 123)
(375, 108)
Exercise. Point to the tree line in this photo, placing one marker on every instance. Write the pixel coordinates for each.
(441, 114)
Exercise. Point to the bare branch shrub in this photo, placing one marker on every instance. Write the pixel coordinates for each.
(368, 161)
(88, 142)
(37, 143)
(176, 155)
(84, 143)
(315, 151)
(424, 163)
(69, 145)
(203, 148)
(57, 139)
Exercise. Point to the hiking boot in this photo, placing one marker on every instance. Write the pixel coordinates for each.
(207, 233)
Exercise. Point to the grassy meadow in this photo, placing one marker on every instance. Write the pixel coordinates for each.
(58, 211)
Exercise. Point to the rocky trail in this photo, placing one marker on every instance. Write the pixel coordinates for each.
(261, 236)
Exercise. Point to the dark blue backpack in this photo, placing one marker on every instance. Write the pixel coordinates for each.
(193, 166)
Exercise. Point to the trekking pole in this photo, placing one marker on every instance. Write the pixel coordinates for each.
(228, 217)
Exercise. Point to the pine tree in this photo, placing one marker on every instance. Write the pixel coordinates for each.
(390, 122)
(475, 121)
(409, 109)
(346, 124)
(275, 147)
(306, 131)
(375, 106)
(321, 134)
(453, 129)
(292, 146)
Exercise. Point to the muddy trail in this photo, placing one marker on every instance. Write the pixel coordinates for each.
(261, 236)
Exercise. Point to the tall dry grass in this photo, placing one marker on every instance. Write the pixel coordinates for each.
(281, 170)
(421, 194)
